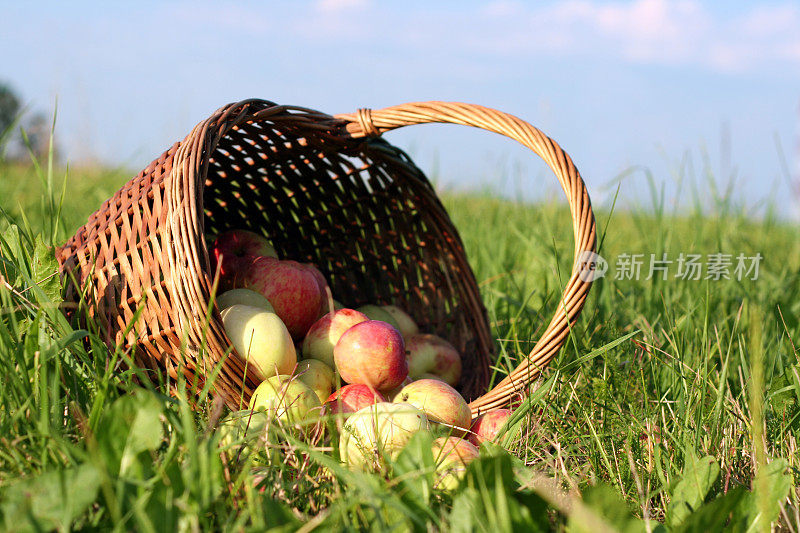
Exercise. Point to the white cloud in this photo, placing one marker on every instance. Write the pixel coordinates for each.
(661, 32)
(335, 6)
(646, 31)
(651, 32)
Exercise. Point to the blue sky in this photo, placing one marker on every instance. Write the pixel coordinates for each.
(617, 84)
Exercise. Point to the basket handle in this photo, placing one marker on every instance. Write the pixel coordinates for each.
(368, 123)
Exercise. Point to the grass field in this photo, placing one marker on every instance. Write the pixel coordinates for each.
(674, 405)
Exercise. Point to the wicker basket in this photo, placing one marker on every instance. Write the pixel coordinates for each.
(327, 190)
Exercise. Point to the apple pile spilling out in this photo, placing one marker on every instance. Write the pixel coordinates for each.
(395, 380)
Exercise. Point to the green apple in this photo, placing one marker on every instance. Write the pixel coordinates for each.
(376, 312)
(405, 324)
(240, 431)
(261, 338)
(317, 375)
(243, 297)
(452, 455)
(378, 431)
(430, 354)
(286, 399)
(440, 402)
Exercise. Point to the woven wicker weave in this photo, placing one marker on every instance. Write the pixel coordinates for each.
(327, 190)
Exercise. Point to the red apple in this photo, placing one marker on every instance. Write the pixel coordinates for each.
(431, 354)
(372, 353)
(488, 425)
(322, 283)
(352, 398)
(439, 401)
(326, 332)
(291, 289)
(234, 250)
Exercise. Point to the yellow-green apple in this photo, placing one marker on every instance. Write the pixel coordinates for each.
(452, 455)
(316, 375)
(286, 399)
(439, 401)
(376, 312)
(233, 250)
(371, 353)
(488, 425)
(240, 430)
(378, 431)
(352, 398)
(326, 332)
(405, 323)
(291, 289)
(243, 297)
(393, 393)
(428, 353)
(261, 338)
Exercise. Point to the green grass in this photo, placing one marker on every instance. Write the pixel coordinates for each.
(674, 405)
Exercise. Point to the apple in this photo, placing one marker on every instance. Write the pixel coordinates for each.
(428, 353)
(352, 398)
(406, 324)
(291, 289)
(376, 312)
(393, 393)
(326, 332)
(488, 425)
(372, 353)
(452, 455)
(322, 283)
(239, 431)
(233, 250)
(378, 431)
(440, 402)
(286, 399)
(261, 338)
(243, 297)
(318, 376)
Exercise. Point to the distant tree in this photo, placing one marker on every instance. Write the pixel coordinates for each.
(9, 110)
(36, 127)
